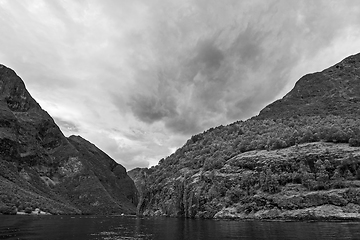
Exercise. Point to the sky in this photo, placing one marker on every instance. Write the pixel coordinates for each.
(139, 77)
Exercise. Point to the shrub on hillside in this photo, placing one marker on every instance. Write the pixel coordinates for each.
(8, 210)
(276, 143)
(354, 142)
(213, 163)
(28, 210)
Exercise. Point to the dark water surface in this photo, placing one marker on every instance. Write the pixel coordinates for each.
(121, 227)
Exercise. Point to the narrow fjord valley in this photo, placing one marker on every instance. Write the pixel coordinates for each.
(298, 159)
(42, 170)
(177, 120)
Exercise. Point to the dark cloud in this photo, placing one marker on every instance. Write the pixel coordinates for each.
(151, 108)
(186, 123)
(247, 47)
(209, 54)
(241, 57)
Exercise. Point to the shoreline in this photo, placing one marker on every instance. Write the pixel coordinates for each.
(213, 219)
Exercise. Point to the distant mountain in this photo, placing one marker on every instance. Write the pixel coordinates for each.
(41, 168)
(298, 159)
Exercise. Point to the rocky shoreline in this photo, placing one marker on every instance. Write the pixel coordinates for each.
(323, 212)
(326, 212)
(290, 205)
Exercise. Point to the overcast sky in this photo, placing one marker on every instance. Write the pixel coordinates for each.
(139, 77)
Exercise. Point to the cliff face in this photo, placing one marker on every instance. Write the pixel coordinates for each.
(265, 185)
(41, 168)
(140, 176)
(298, 159)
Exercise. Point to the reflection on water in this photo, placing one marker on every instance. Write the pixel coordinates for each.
(120, 227)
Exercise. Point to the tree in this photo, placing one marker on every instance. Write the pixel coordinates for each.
(234, 194)
(276, 143)
(322, 177)
(354, 142)
(269, 181)
(8, 210)
(247, 182)
(338, 180)
(307, 177)
(348, 175)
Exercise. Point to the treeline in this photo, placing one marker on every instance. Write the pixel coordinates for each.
(212, 148)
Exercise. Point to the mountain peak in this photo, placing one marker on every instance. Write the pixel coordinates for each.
(335, 90)
(14, 93)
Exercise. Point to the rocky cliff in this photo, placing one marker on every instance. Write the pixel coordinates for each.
(41, 168)
(298, 159)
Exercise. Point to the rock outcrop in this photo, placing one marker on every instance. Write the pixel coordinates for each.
(298, 159)
(41, 168)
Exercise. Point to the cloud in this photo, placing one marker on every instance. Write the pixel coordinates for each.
(184, 124)
(152, 108)
(236, 64)
(66, 126)
(138, 78)
(209, 55)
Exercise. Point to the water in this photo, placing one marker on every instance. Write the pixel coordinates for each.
(132, 228)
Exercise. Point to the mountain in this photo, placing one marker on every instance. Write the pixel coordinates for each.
(41, 168)
(335, 90)
(298, 159)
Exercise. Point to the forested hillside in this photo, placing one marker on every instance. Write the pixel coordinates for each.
(299, 158)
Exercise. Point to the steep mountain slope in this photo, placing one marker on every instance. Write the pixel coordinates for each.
(41, 168)
(299, 158)
(335, 90)
(140, 176)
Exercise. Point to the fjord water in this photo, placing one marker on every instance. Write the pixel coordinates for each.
(133, 228)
